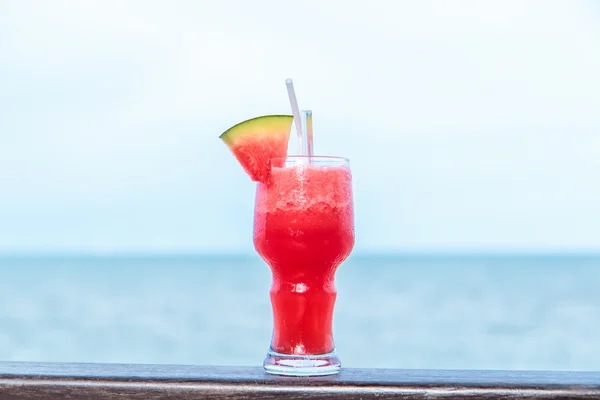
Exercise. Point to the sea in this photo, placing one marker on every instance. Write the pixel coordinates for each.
(478, 311)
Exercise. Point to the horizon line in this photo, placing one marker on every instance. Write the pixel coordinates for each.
(356, 254)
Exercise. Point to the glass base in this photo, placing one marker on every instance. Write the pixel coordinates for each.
(302, 365)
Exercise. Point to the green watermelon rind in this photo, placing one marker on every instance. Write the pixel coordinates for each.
(254, 127)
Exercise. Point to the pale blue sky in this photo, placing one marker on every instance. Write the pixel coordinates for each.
(470, 125)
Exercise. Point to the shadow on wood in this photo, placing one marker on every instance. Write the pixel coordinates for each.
(122, 381)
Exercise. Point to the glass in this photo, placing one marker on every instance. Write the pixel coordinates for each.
(304, 229)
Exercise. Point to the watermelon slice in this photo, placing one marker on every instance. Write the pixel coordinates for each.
(257, 141)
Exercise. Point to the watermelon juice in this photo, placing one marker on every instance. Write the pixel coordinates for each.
(304, 229)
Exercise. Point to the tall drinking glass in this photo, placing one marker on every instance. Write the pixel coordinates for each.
(304, 229)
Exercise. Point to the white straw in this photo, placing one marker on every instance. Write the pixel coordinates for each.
(296, 111)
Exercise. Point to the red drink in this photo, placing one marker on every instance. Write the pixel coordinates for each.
(304, 229)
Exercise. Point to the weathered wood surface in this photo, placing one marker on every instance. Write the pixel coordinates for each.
(51, 381)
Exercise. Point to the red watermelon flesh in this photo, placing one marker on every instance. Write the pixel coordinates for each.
(257, 141)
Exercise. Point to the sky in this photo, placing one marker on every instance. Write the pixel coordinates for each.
(470, 126)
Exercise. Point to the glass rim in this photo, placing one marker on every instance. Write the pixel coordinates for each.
(324, 158)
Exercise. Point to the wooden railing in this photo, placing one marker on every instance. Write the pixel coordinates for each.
(51, 381)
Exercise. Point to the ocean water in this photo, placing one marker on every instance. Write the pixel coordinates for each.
(481, 312)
